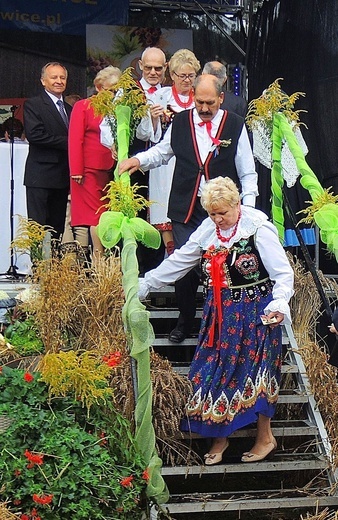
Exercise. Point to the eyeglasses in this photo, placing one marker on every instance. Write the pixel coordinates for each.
(186, 76)
(147, 68)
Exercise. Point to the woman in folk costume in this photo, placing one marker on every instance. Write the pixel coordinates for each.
(236, 368)
(183, 68)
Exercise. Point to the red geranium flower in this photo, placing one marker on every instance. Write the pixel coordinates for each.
(145, 475)
(44, 499)
(127, 481)
(113, 360)
(24, 517)
(33, 458)
(28, 377)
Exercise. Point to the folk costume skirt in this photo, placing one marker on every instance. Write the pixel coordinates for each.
(238, 377)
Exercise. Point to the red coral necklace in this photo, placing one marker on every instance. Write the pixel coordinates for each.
(180, 103)
(227, 239)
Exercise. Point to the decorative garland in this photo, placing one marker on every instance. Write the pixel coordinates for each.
(274, 112)
(121, 223)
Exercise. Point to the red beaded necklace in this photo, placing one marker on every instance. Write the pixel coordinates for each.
(227, 239)
(177, 98)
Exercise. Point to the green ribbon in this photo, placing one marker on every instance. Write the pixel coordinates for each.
(113, 227)
(326, 217)
(277, 180)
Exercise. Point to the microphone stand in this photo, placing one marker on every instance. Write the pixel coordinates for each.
(12, 272)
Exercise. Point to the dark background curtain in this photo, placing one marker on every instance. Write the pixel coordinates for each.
(298, 41)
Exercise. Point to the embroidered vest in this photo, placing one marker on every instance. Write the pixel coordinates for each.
(189, 167)
(242, 266)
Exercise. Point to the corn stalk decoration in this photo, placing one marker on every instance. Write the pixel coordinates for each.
(273, 114)
(124, 109)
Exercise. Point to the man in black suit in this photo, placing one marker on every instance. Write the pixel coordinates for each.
(47, 173)
(231, 102)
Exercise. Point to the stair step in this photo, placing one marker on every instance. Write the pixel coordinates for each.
(290, 428)
(168, 313)
(206, 503)
(280, 462)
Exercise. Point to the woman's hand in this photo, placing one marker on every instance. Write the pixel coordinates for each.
(129, 165)
(275, 317)
(77, 178)
(114, 152)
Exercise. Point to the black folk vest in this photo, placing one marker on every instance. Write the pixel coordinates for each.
(189, 167)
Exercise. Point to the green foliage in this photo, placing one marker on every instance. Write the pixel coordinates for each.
(24, 337)
(123, 45)
(58, 462)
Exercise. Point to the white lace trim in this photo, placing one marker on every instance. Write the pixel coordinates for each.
(251, 219)
(262, 150)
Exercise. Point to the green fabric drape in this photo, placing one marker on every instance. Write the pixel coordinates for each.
(114, 226)
(325, 214)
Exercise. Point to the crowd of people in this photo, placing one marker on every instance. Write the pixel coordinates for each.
(194, 156)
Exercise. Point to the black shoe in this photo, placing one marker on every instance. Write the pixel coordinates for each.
(177, 336)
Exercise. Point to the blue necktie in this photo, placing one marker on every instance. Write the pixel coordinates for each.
(62, 111)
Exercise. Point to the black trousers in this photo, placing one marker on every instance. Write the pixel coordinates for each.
(186, 287)
(47, 206)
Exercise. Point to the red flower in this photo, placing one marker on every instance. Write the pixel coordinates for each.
(24, 517)
(0, 370)
(28, 377)
(17, 501)
(103, 441)
(127, 481)
(44, 499)
(33, 458)
(17, 472)
(112, 360)
(145, 475)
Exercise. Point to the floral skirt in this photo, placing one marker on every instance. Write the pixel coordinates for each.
(237, 378)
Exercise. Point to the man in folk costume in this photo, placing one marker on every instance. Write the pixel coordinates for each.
(153, 66)
(207, 142)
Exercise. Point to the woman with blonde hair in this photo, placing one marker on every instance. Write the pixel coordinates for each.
(91, 164)
(248, 280)
(183, 69)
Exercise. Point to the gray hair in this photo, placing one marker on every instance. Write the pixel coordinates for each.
(155, 50)
(109, 75)
(216, 68)
(52, 64)
(216, 82)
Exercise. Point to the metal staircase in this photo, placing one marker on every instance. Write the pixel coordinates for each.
(297, 480)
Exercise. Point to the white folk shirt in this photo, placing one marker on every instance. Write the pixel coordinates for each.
(252, 222)
(244, 161)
